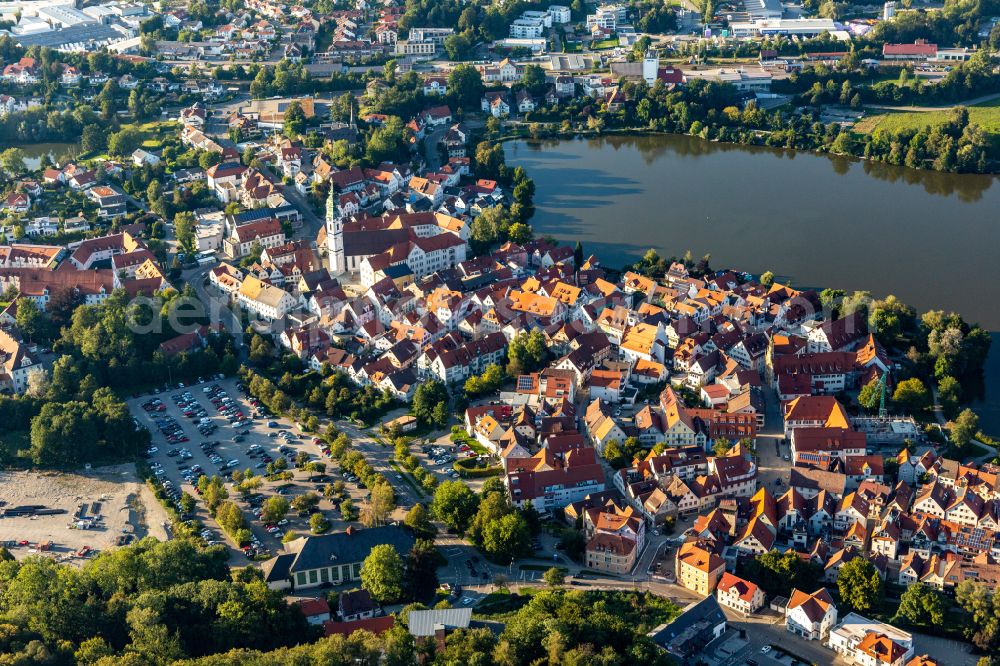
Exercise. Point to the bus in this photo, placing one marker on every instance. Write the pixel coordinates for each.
(207, 257)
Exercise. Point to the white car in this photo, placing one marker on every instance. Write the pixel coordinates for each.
(765, 649)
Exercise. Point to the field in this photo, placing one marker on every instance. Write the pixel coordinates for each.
(124, 504)
(986, 115)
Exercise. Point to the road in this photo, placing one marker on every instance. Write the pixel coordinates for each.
(311, 222)
(772, 468)
(217, 304)
(431, 154)
(378, 456)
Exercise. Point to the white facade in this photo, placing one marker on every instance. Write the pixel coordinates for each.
(527, 29)
(846, 636)
(559, 14)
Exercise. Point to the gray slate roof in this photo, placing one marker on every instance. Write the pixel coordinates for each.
(346, 548)
(423, 622)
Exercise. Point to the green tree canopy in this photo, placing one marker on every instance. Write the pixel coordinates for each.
(454, 504)
(860, 585)
(382, 573)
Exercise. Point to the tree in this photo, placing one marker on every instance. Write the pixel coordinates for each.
(30, 319)
(614, 455)
(721, 446)
(454, 504)
(440, 416)
(554, 577)
(12, 162)
(123, 143)
(964, 428)
(274, 509)
(490, 160)
(767, 279)
(984, 606)
(921, 605)
(858, 302)
(421, 569)
(381, 504)
(307, 501)
(318, 523)
(777, 573)
(382, 573)
(491, 225)
(507, 538)
(520, 233)
(207, 159)
(465, 86)
(347, 510)
(418, 520)
(949, 395)
(426, 398)
(860, 585)
(294, 121)
(891, 317)
(533, 78)
(870, 395)
(912, 395)
(526, 353)
(94, 139)
(184, 229)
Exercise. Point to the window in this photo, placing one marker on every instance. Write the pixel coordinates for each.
(312, 576)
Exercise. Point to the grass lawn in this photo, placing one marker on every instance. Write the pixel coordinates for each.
(463, 438)
(605, 44)
(986, 115)
(501, 602)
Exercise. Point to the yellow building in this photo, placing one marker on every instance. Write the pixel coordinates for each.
(698, 569)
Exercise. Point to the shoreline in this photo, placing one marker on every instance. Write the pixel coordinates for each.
(560, 135)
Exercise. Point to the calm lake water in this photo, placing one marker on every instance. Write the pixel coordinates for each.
(34, 152)
(931, 239)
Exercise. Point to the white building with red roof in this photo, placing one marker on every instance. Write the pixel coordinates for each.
(739, 594)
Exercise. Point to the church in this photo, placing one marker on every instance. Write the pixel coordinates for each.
(392, 239)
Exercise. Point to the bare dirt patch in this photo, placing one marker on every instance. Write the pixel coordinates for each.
(104, 508)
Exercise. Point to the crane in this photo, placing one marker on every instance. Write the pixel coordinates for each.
(883, 413)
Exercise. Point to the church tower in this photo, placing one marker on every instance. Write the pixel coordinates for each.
(335, 237)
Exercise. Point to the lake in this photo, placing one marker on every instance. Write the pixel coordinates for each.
(932, 239)
(33, 153)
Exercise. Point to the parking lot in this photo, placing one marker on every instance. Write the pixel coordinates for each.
(212, 428)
